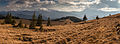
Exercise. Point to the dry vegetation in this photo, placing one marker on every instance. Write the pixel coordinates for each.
(102, 31)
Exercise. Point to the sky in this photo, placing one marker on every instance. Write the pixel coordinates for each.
(76, 8)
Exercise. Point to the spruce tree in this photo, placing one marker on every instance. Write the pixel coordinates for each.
(13, 22)
(25, 26)
(39, 21)
(48, 23)
(8, 18)
(97, 17)
(84, 18)
(31, 26)
(41, 28)
(33, 23)
(20, 24)
(109, 14)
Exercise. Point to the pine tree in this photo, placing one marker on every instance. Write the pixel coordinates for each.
(84, 18)
(31, 26)
(39, 21)
(25, 26)
(20, 24)
(33, 23)
(97, 17)
(8, 18)
(41, 28)
(13, 22)
(48, 24)
(109, 14)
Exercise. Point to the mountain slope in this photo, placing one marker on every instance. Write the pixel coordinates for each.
(72, 18)
(102, 31)
(45, 14)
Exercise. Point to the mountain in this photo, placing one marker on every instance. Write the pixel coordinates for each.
(46, 14)
(3, 17)
(72, 18)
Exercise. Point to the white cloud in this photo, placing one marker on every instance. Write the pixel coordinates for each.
(78, 6)
(68, 5)
(48, 2)
(38, 0)
(112, 0)
(85, 2)
(106, 9)
(45, 9)
(70, 8)
(118, 1)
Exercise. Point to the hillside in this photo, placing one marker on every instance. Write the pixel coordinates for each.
(102, 31)
(72, 18)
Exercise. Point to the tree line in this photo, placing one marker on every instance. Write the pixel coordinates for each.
(34, 22)
(85, 18)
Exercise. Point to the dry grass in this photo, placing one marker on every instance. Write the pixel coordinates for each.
(102, 31)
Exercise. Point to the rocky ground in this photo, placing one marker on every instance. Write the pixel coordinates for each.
(102, 31)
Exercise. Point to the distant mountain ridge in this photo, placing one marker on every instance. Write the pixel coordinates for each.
(72, 18)
(45, 14)
(3, 17)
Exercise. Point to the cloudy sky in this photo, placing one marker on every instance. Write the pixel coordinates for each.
(75, 7)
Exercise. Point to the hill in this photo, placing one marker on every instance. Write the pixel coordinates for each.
(102, 31)
(72, 18)
(3, 17)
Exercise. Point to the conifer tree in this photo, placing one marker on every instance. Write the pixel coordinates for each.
(84, 18)
(39, 21)
(33, 23)
(25, 26)
(48, 23)
(97, 17)
(109, 14)
(13, 22)
(41, 28)
(8, 18)
(20, 24)
(31, 26)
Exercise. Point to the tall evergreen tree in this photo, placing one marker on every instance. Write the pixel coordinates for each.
(13, 22)
(8, 18)
(48, 23)
(39, 21)
(41, 28)
(97, 17)
(84, 18)
(25, 26)
(109, 14)
(33, 23)
(20, 24)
